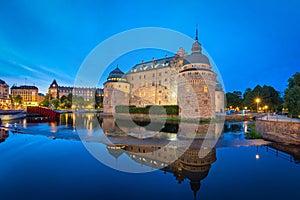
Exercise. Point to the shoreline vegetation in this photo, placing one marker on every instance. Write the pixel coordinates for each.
(176, 118)
(252, 133)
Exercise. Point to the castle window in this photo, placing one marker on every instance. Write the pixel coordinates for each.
(132, 78)
(188, 101)
(159, 102)
(166, 97)
(119, 86)
(166, 79)
(153, 75)
(159, 74)
(166, 72)
(144, 76)
(189, 73)
(205, 102)
(187, 88)
(159, 91)
(132, 85)
(159, 82)
(205, 89)
(196, 73)
(153, 84)
(196, 110)
(140, 77)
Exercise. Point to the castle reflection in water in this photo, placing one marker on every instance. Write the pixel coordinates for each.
(147, 145)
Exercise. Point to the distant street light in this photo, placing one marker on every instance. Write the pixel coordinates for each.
(257, 100)
(266, 108)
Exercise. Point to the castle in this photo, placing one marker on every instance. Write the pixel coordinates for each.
(186, 80)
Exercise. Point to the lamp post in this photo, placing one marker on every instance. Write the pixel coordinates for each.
(257, 100)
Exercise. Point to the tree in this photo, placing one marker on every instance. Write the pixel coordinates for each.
(248, 99)
(234, 99)
(55, 103)
(78, 101)
(292, 95)
(294, 80)
(292, 100)
(98, 100)
(18, 99)
(268, 97)
(45, 102)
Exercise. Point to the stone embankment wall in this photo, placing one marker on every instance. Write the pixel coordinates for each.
(3, 134)
(279, 131)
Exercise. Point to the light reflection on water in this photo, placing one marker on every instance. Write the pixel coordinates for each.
(196, 177)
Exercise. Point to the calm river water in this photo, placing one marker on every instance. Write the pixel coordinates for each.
(50, 160)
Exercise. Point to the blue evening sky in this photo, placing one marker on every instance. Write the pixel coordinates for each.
(251, 42)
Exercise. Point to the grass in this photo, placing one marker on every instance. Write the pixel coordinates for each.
(253, 134)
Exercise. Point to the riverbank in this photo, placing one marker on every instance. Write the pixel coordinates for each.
(176, 118)
(284, 131)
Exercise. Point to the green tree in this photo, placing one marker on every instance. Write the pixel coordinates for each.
(18, 99)
(98, 100)
(268, 97)
(292, 95)
(55, 103)
(234, 99)
(294, 80)
(248, 99)
(78, 101)
(45, 102)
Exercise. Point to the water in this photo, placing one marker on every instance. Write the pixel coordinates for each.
(48, 161)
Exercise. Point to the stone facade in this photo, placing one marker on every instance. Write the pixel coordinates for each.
(4, 94)
(279, 131)
(184, 80)
(28, 93)
(88, 94)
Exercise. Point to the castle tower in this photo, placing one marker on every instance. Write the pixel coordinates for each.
(53, 90)
(220, 99)
(116, 91)
(196, 85)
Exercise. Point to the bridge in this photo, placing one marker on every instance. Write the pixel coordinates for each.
(47, 112)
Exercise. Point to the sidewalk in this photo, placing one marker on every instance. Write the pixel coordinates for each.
(281, 118)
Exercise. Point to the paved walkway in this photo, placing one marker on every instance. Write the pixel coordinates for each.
(281, 118)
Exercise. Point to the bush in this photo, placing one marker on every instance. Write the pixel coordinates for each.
(168, 109)
(253, 134)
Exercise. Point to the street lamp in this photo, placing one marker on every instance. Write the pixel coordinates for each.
(257, 100)
(266, 108)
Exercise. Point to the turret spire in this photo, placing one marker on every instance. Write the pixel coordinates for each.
(197, 32)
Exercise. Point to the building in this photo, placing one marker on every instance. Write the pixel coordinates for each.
(28, 93)
(40, 97)
(88, 94)
(4, 94)
(186, 80)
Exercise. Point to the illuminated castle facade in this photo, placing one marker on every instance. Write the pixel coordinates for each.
(186, 80)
